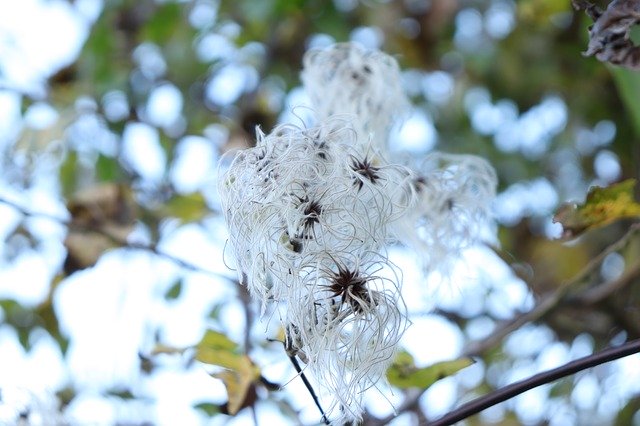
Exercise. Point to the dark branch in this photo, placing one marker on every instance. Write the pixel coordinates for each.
(296, 365)
(517, 388)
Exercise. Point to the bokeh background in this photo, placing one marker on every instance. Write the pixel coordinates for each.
(114, 114)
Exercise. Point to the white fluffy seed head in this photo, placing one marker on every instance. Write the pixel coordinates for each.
(310, 211)
(451, 207)
(302, 193)
(363, 85)
(348, 326)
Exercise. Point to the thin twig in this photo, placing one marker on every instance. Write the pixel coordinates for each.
(118, 241)
(517, 388)
(306, 382)
(548, 302)
(296, 365)
(604, 290)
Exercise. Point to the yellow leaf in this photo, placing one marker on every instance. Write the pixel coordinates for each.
(238, 381)
(222, 357)
(215, 340)
(602, 207)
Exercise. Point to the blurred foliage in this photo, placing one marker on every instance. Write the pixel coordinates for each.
(403, 373)
(539, 57)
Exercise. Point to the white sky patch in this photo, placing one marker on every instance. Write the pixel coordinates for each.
(214, 47)
(26, 279)
(522, 199)
(104, 311)
(195, 161)
(499, 19)
(177, 391)
(10, 116)
(230, 82)
(89, 135)
(38, 37)
(438, 87)
(602, 134)
(531, 405)
(432, 338)
(528, 341)
(417, 134)
(439, 398)
(164, 105)
(40, 116)
(369, 37)
(189, 243)
(204, 14)
(534, 130)
(607, 166)
(142, 151)
(469, 29)
(586, 392)
(39, 370)
(149, 58)
(115, 105)
(319, 41)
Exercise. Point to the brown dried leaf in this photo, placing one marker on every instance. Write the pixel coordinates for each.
(609, 36)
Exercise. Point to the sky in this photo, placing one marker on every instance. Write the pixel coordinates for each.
(109, 311)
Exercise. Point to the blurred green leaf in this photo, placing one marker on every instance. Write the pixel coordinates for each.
(107, 169)
(163, 23)
(602, 207)
(628, 84)
(208, 408)
(626, 415)
(188, 208)
(174, 292)
(541, 11)
(403, 373)
(68, 173)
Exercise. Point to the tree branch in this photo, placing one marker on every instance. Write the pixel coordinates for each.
(517, 388)
(548, 302)
(120, 242)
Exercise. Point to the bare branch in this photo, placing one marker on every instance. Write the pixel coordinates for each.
(550, 301)
(522, 386)
(117, 240)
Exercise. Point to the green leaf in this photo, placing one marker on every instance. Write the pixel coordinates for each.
(174, 292)
(107, 169)
(403, 373)
(628, 412)
(69, 173)
(188, 208)
(208, 408)
(602, 207)
(628, 84)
